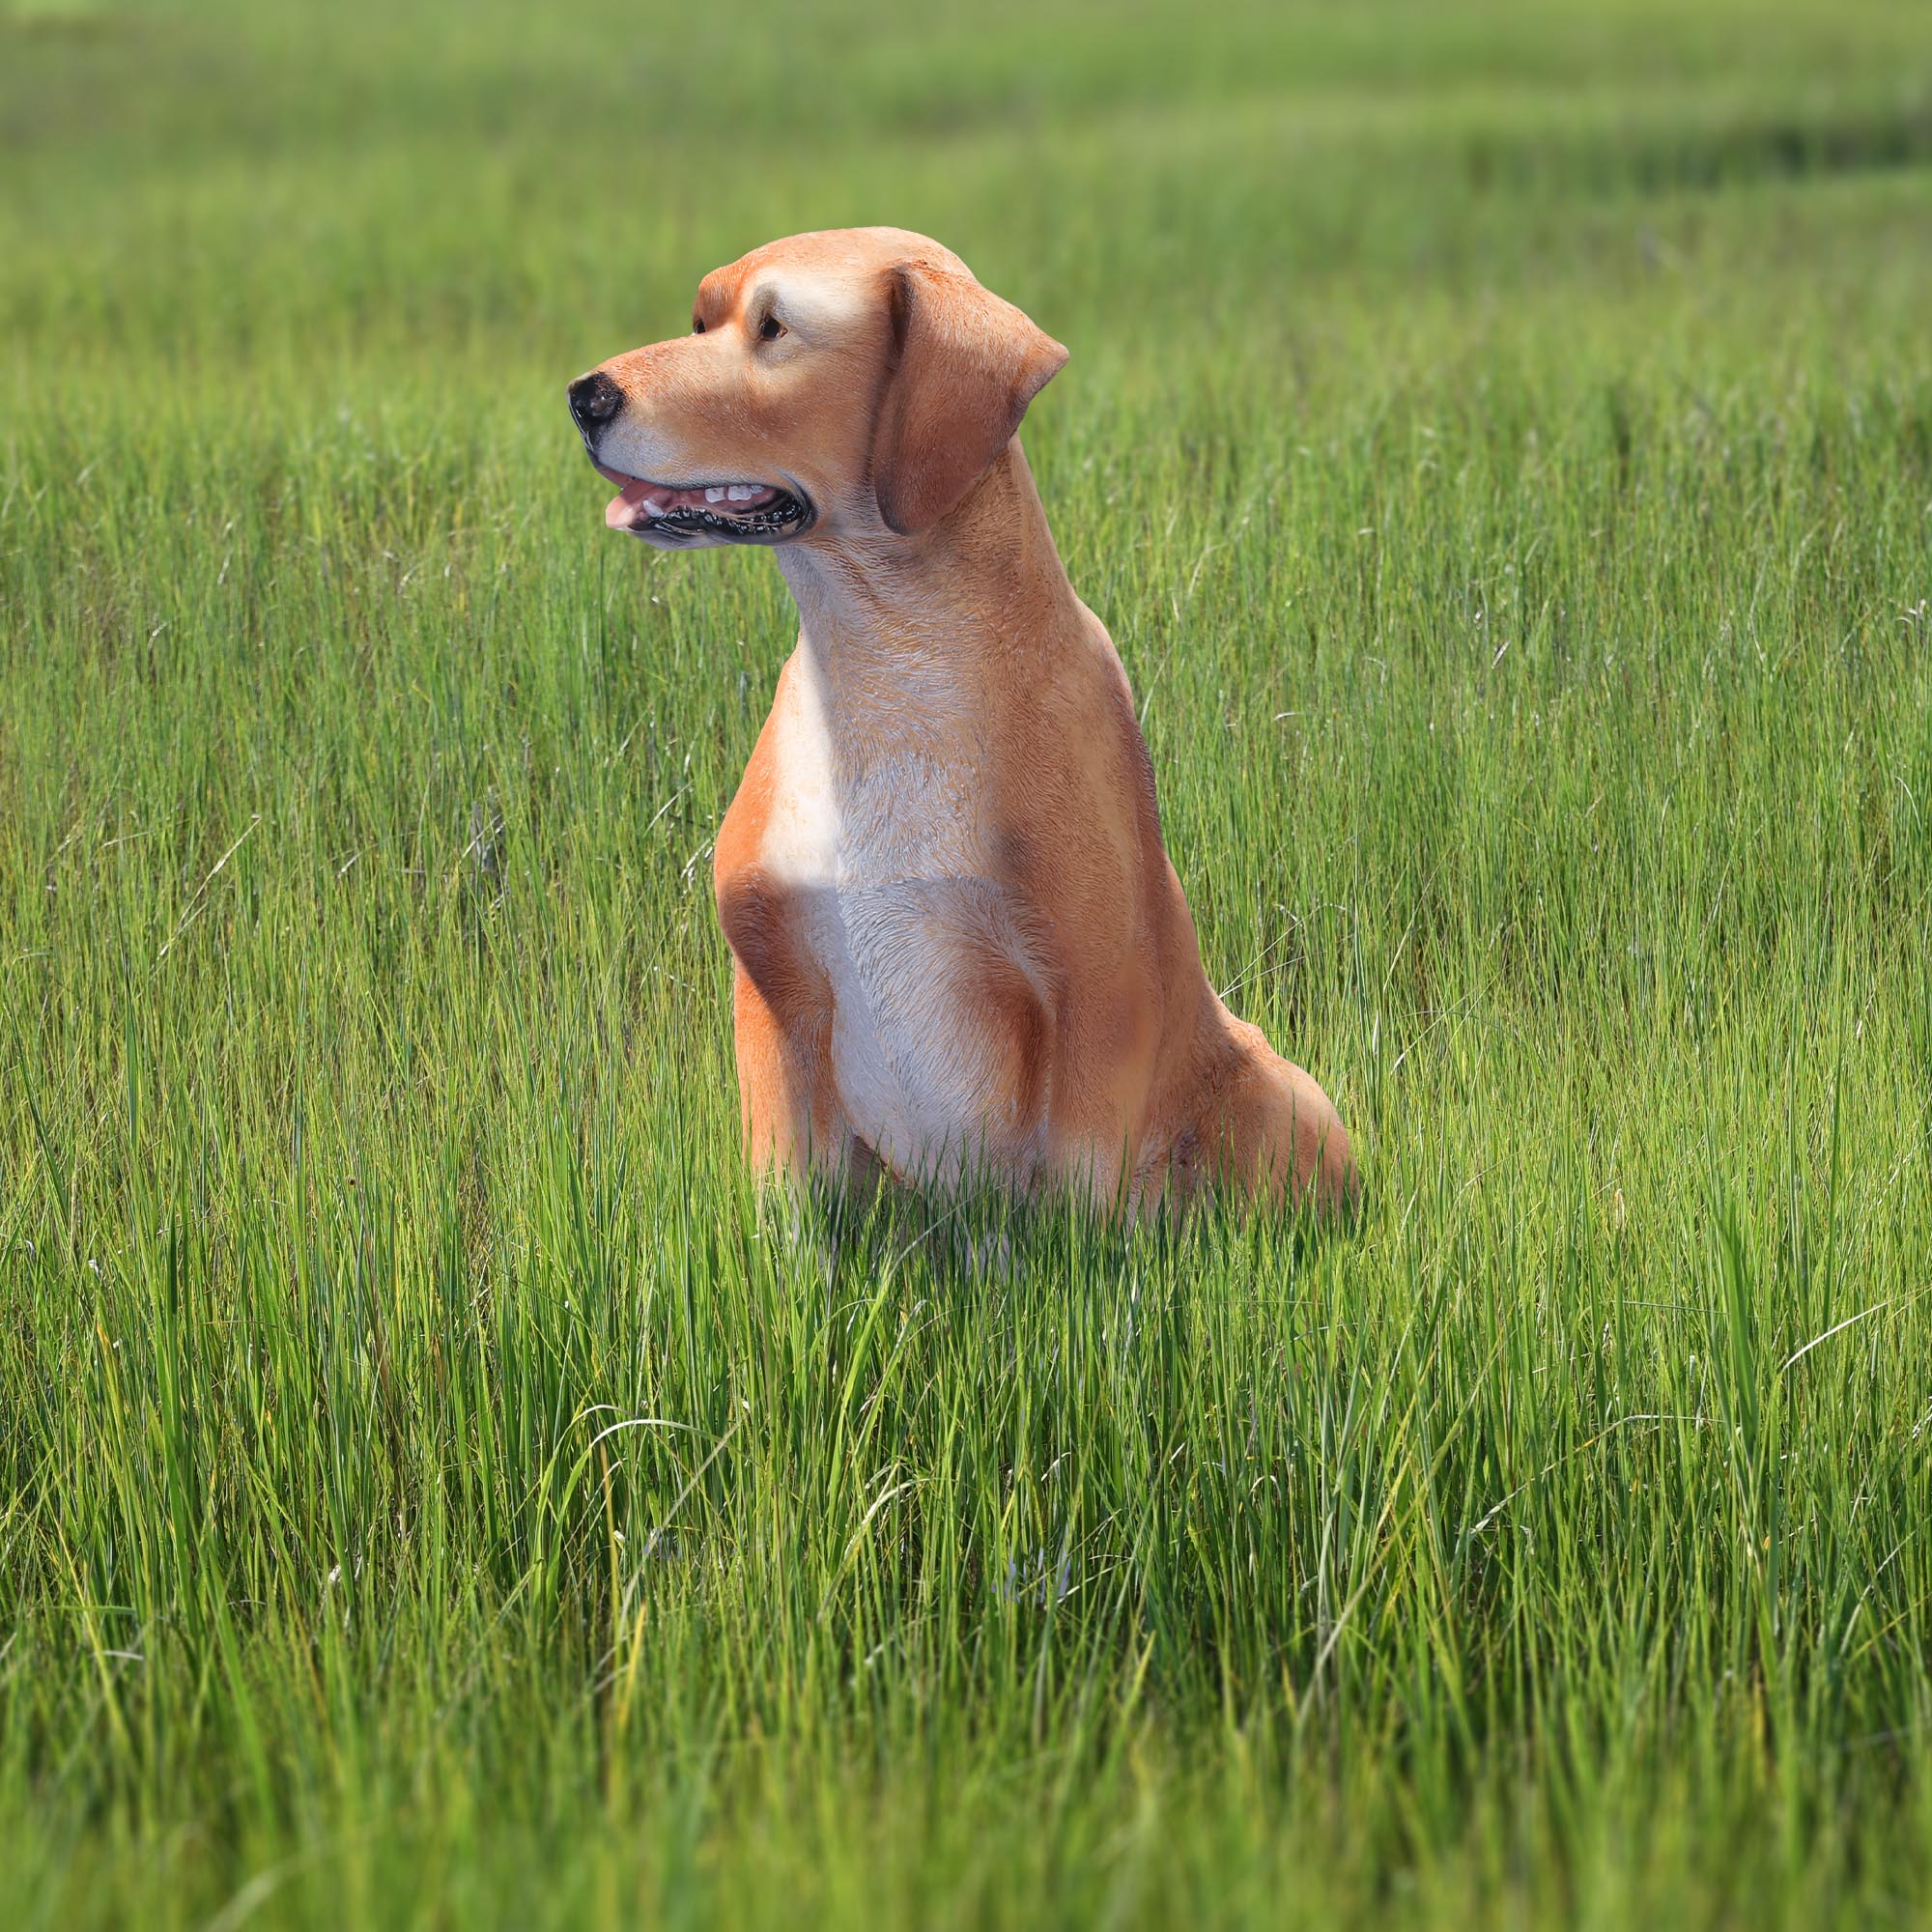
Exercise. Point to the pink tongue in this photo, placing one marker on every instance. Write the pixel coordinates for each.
(617, 513)
(634, 495)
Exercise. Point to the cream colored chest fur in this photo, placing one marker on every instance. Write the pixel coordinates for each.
(881, 854)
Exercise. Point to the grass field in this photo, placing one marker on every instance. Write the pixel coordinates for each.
(433, 1491)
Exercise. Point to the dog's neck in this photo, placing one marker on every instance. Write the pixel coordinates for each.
(941, 616)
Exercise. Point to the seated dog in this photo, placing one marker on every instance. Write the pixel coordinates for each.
(959, 945)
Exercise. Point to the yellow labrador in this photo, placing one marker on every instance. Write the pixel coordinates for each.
(958, 942)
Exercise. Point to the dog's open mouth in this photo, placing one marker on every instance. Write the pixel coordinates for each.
(720, 512)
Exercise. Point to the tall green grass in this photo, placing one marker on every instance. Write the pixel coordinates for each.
(434, 1487)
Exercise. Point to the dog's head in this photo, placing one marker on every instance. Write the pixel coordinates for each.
(858, 381)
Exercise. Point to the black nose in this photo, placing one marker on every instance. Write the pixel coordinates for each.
(594, 399)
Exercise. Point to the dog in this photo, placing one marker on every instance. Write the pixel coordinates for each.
(959, 948)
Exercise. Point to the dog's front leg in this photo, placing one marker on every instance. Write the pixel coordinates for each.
(782, 1007)
(789, 1106)
(795, 1130)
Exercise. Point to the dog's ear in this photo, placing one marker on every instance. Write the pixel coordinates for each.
(965, 365)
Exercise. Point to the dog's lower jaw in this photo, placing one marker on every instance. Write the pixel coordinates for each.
(702, 516)
(782, 521)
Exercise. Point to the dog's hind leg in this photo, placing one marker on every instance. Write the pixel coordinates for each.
(1272, 1130)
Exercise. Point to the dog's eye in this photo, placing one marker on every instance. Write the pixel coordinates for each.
(770, 330)
(697, 324)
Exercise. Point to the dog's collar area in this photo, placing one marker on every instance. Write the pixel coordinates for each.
(730, 512)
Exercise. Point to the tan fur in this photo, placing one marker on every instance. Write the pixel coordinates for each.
(958, 939)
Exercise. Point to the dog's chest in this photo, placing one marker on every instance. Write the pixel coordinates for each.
(881, 860)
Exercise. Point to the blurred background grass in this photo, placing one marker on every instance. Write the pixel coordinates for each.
(1499, 439)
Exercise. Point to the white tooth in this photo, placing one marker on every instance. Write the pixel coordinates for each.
(653, 508)
(714, 495)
